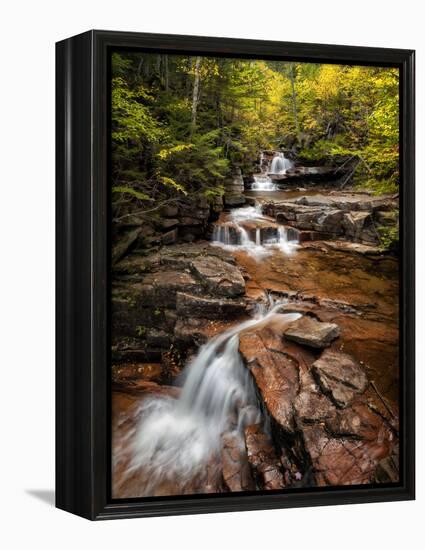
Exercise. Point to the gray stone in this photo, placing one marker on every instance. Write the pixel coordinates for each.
(158, 338)
(310, 332)
(169, 210)
(234, 200)
(124, 243)
(219, 277)
(169, 223)
(170, 237)
(358, 226)
(188, 305)
(188, 220)
(159, 289)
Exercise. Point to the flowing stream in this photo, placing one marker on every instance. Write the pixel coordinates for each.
(176, 439)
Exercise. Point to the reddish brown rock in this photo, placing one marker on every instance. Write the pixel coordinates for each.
(310, 332)
(275, 373)
(340, 376)
(126, 374)
(344, 460)
(263, 459)
(356, 420)
(141, 388)
(313, 406)
(236, 469)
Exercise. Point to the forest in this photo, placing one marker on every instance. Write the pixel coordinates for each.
(181, 124)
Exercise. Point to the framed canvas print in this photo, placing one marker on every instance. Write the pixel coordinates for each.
(235, 274)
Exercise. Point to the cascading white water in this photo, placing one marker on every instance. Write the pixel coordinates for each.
(233, 236)
(177, 438)
(258, 236)
(280, 164)
(263, 183)
(221, 233)
(284, 244)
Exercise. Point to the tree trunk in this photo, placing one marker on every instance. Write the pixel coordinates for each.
(166, 72)
(195, 95)
(139, 68)
(294, 101)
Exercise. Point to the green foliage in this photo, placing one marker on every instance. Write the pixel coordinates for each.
(334, 114)
(389, 237)
(140, 331)
(352, 113)
(132, 192)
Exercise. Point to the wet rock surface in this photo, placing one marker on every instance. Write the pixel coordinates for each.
(263, 459)
(237, 473)
(340, 376)
(329, 425)
(275, 374)
(313, 333)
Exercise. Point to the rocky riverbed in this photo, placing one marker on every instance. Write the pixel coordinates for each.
(323, 367)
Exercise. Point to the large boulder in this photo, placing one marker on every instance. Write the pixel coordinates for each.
(234, 189)
(348, 202)
(159, 289)
(275, 374)
(358, 226)
(310, 332)
(340, 376)
(218, 277)
(317, 218)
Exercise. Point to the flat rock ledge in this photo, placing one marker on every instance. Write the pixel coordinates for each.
(355, 217)
(310, 332)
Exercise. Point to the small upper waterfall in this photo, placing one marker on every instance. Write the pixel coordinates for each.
(280, 164)
(177, 439)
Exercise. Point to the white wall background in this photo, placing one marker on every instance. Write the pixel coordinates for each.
(29, 30)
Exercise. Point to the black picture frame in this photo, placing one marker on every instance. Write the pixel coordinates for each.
(82, 252)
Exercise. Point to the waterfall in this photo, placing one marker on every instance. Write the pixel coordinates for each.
(233, 236)
(263, 183)
(280, 164)
(176, 439)
(221, 233)
(258, 236)
(284, 244)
